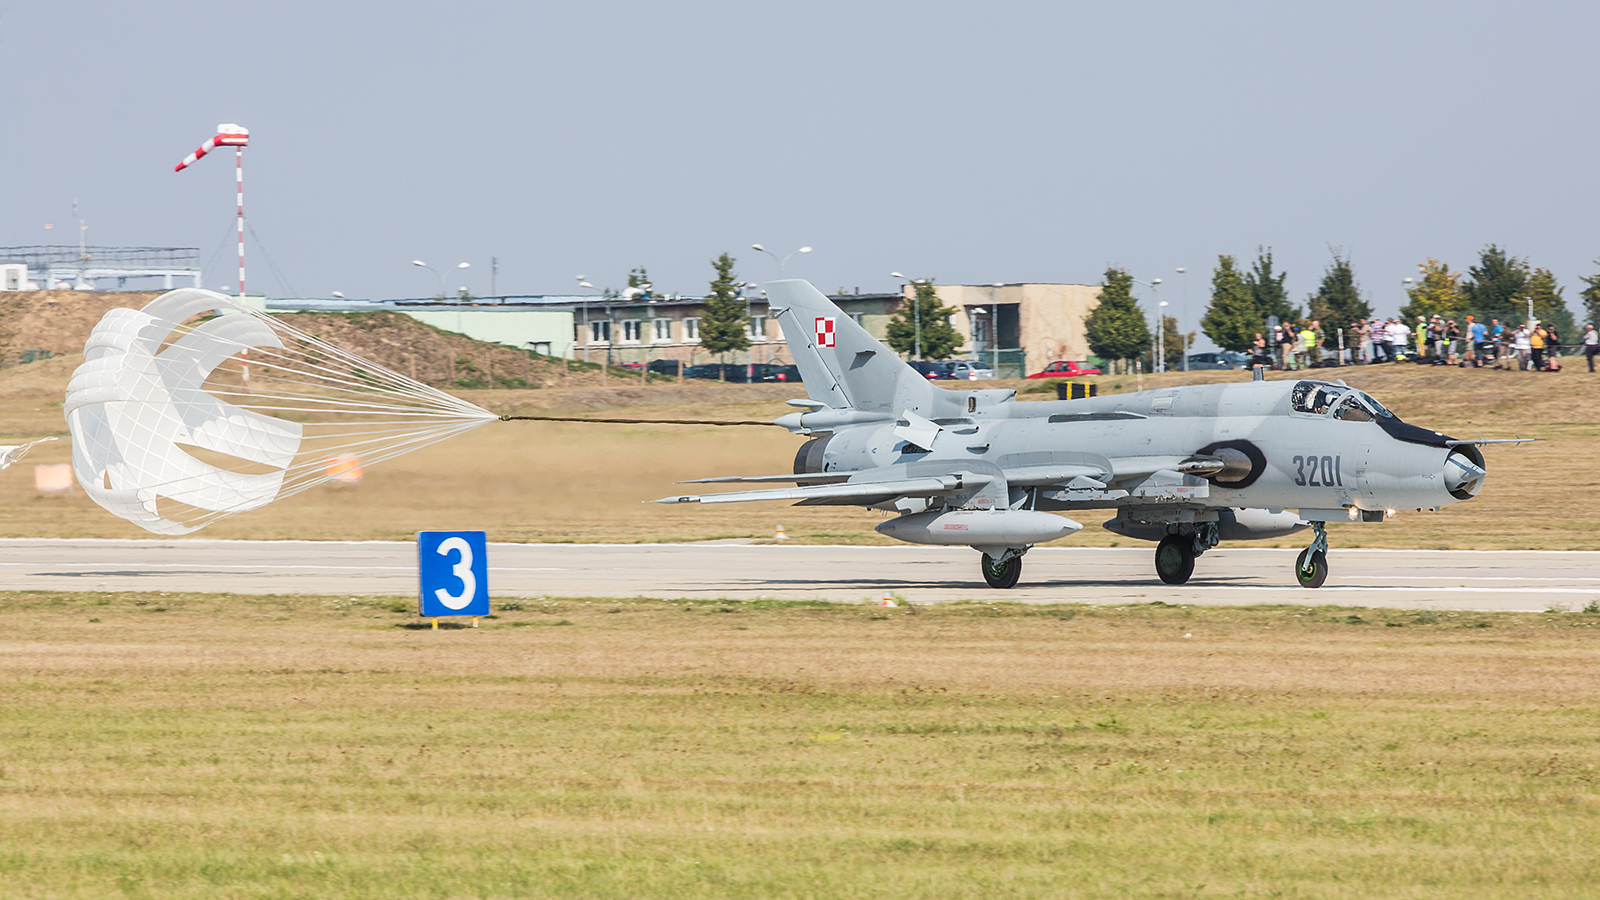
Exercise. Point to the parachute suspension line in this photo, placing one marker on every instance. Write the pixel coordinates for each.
(170, 434)
(631, 421)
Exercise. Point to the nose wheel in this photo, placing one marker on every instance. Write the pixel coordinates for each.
(1311, 566)
(1001, 574)
(1175, 559)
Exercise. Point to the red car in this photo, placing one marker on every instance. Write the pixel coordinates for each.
(1064, 369)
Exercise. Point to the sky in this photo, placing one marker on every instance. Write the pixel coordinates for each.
(965, 142)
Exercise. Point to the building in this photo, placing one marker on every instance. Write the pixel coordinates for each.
(1022, 326)
(63, 267)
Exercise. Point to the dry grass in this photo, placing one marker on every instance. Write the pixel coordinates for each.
(534, 481)
(204, 746)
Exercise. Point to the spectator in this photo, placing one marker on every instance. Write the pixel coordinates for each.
(1536, 342)
(1420, 333)
(1477, 335)
(1286, 341)
(1552, 341)
(1497, 336)
(1399, 338)
(1378, 335)
(1259, 357)
(1591, 344)
(1435, 335)
(1359, 343)
(1522, 345)
(1452, 339)
(1307, 345)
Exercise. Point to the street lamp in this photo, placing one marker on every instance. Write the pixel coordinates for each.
(916, 312)
(1160, 364)
(781, 262)
(418, 262)
(1161, 334)
(1181, 325)
(585, 332)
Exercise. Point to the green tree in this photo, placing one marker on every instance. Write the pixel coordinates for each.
(1437, 293)
(1549, 306)
(639, 278)
(1117, 329)
(1271, 297)
(1497, 287)
(925, 315)
(724, 328)
(1232, 319)
(1337, 303)
(1591, 299)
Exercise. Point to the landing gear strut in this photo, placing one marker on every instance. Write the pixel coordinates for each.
(1311, 566)
(1003, 574)
(1175, 558)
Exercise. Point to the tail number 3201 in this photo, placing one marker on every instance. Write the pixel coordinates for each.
(1317, 471)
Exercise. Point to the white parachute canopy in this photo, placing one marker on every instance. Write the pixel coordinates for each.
(177, 423)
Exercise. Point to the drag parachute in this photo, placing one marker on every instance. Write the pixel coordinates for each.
(170, 432)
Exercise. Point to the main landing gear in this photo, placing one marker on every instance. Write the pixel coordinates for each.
(1002, 574)
(1175, 558)
(1311, 566)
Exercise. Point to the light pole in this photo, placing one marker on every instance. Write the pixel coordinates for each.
(585, 330)
(781, 262)
(418, 262)
(1161, 334)
(1160, 364)
(916, 311)
(1184, 335)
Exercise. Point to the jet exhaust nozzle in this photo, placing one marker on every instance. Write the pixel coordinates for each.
(1463, 476)
(979, 527)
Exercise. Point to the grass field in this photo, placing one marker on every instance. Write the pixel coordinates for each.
(223, 747)
(536, 481)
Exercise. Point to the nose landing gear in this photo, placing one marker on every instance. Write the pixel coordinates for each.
(1311, 566)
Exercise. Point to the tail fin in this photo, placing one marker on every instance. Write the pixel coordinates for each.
(841, 364)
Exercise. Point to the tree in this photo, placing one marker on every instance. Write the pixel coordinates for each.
(1232, 319)
(1437, 293)
(639, 278)
(925, 315)
(1271, 298)
(1172, 346)
(1117, 328)
(1498, 286)
(1549, 306)
(1591, 299)
(1337, 303)
(724, 327)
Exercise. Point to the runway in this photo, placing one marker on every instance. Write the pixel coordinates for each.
(1414, 579)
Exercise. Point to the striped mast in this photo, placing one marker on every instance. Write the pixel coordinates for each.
(237, 137)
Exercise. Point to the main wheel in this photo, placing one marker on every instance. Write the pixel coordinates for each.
(1175, 559)
(1319, 569)
(1001, 575)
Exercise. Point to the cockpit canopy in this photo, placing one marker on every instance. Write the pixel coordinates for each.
(1318, 398)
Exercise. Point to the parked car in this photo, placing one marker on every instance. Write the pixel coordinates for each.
(1063, 368)
(740, 373)
(664, 366)
(1227, 359)
(787, 374)
(933, 370)
(970, 370)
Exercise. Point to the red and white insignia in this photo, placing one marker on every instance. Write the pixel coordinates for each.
(825, 337)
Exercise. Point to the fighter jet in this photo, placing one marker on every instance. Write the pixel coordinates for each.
(1186, 467)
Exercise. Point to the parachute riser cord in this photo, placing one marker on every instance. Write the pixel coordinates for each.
(630, 421)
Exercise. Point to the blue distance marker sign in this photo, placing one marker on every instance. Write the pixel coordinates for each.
(453, 567)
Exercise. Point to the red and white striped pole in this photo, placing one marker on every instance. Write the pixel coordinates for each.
(227, 136)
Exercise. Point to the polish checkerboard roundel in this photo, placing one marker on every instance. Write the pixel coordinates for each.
(825, 336)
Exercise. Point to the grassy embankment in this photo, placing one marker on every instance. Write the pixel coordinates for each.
(204, 746)
(533, 481)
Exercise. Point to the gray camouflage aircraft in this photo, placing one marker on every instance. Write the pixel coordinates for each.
(1187, 467)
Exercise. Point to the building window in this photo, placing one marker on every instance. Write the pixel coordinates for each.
(758, 328)
(600, 332)
(631, 329)
(856, 318)
(691, 331)
(663, 330)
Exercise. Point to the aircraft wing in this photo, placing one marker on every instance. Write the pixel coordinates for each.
(905, 487)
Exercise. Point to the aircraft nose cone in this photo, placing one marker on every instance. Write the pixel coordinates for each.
(1462, 475)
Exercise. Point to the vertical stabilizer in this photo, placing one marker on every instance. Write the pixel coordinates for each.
(841, 364)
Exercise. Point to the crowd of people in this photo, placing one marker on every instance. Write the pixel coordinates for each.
(1436, 340)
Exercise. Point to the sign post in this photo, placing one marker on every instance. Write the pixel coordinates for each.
(453, 571)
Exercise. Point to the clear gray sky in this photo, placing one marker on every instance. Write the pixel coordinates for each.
(969, 142)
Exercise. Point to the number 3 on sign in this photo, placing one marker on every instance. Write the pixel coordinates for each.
(454, 573)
